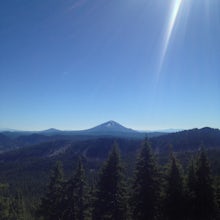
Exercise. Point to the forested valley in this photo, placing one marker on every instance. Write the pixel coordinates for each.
(148, 188)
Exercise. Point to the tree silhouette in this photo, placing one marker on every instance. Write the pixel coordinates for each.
(76, 199)
(110, 201)
(51, 205)
(174, 192)
(146, 186)
(205, 206)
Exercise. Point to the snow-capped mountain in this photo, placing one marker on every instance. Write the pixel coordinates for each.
(111, 127)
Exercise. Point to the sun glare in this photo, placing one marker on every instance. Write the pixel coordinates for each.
(173, 15)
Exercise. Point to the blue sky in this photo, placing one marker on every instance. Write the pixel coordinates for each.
(147, 64)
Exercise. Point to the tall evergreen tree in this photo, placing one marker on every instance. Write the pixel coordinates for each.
(174, 192)
(217, 187)
(17, 209)
(204, 191)
(77, 196)
(4, 208)
(190, 190)
(146, 186)
(110, 201)
(4, 203)
(11, 207)
(51, 205)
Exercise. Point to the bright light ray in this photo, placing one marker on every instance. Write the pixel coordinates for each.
(176, 5)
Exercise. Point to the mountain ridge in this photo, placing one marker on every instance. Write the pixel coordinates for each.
(103, 125)
(111, 129)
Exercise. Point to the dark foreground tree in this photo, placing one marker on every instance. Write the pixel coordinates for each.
(11, 207)
(205, 204)
(146, 186)
(4, 208)
(76, 199)
(110, 201)
(17, 210)
(174, 192)
(51, 205)
(190, 190)
(217, 187)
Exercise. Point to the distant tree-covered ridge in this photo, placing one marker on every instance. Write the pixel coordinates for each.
(188, 140)
(182, 140)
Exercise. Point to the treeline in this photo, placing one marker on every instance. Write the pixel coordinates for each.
(153, 192)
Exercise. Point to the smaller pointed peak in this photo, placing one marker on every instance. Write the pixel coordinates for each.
(51, 130)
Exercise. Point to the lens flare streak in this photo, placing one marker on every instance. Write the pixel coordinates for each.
(176, 5)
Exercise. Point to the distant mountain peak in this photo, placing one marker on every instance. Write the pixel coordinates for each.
(111, 126)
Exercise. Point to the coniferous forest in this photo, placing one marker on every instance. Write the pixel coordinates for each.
(69, 69)
(151, 191)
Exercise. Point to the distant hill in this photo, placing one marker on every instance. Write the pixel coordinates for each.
(188, 140)
(51, 131)
(6, 143)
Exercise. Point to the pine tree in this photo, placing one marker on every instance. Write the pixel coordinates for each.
(51, 205)
(77, 196)
(11, 207)
(174, 192)
(110, 201)
(17, 207)
(4, 208)
(190, 190)
(205, 205)
(4, 203)
(217, 187)
(146, 186)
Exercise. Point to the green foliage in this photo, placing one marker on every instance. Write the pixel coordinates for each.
(174, 192)
(154, 193)
(217, 187)
(205, 206)
(146, 186)
(66, 200)
(110, 201)
(4, 208)
(190, 190)
(51, 205)
(11, 208)
(76, 196)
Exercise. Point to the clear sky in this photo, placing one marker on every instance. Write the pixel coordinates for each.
(73, 64)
